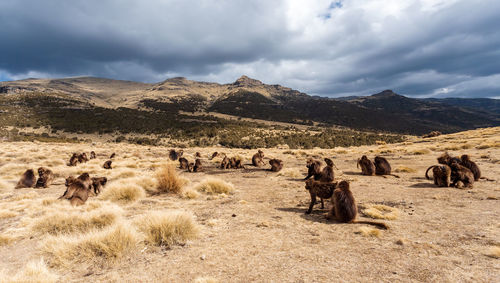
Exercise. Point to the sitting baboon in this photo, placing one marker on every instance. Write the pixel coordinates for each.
(441, 174)
(225, 163)
(197, 154)
(214, 155)
(107, 164)
(276, 165)
(367, 166)
(344, 206)
(382, 167)
(28, 180)
(112, 155)
(78, 189)
(320, 189)
(98, 183)
(92, 155)
(197, 166)
(236, 163)
(313, 169)
(174, 155)
(45, 177)
(445, 158)
(461, 176)
(73, 160)
(257, 159)
(327, 172)
(466, 162)
(82, 158)
(183, 163)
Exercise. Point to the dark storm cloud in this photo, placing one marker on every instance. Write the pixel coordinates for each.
(415, 47)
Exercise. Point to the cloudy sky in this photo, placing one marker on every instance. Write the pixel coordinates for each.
(350, 47)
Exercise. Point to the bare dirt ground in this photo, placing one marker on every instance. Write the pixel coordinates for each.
(260, 232)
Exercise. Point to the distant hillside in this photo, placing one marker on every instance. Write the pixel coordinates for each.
(246, 97)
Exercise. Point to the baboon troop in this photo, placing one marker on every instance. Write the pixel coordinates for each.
(80, 158)
(174, 155)
(28, 180)
(231, 163)
(45, 177)
(455, 172)
(276, 165)
(319, 189)
(380, 167)
(441, 175)
(367, 166)
(258, 159)
(107, 164)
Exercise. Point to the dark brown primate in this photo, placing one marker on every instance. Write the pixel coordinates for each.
(382, 167)
(98, 183)
(107, 164)
(257, 159)
(313, 169)
(112, 155)
(276, 165)
(28, 180)
(92, 155)
(319, 189)
(82, 158)
(190, 167)
(441, 174)
(367, 166)
(466, 162)
(73, 160)
(174, 155)
(461, 176)
(183, 163)
(197, 155)
(78, 189)
(214, 155)
(45, 177)
(198, 167)
(225, 163)
(344, 206)
(446, 159)
(327, 172)
(236, 163)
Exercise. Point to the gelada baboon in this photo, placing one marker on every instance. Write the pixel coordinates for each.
(112, 155)
(327, 172)
(196, 166)
(225, 163)
(344, 206)
(214, 155)
(313, 169)
(183, 163)
(382, 167)
(92, 155)
(276, 165)
(461, 177)
(174, 155)
(445, 158)
(197, 154)
(28, 180)
(98, 183)
(82, 157)
(319, 189)
(73, 160)
(466, 162)
(107, 164)
(441, 174)
(367, 166)
(236, 163)
(257, 159)
(78, 189)
(45, 177)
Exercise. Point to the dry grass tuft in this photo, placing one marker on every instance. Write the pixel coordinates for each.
(148, 183)
(167, 228)
(404, 169)
(100, 248)
(290, 172)
(4, 213)
(206, 280)
(214, 186)
(64, 222)
(168, 180)
(380, 211)
(123, 191)
(33, 272)
(190, 193)
(369, 231)
(494, 252)
(5, 240)
(421, 151)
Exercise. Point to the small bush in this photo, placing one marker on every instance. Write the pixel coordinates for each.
(214, 186)
(168, 180)
(123, 191)
(168, 228)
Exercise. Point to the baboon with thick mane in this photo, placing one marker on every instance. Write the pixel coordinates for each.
(327, 172)
(313, 169)
(276, 165)
(73, 160)
(183, 163)
(319, 189)
(441, 175)
(28, 180)
(446, 159)
(461, 176)
(98, 183)
(471, 165)
(174, 155)
(257, 159)
(45, 177)
(78, 189)
(82, 158)
(107, 164)
(345, 209)
(367, 166)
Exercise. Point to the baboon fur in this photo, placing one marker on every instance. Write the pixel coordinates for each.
(276, 165)
(98, 183)
(92, 155)
(196, 166)
(382, 166)
(327, 172)
(441, 175)
(236, 163)
(461, 176)
(466, 162)
(367, 166)
(73, 160)
(28, 180)
(82, 158)
(183, 163)
(319, 189)
(78, 189)
(112, 155)
(214, 155)
(45, 177)
(313, 169)
(107, 164)
(197, 154)
(225, 163)
(257, 159)
(446, 159)
(174, 155)
(344, 207)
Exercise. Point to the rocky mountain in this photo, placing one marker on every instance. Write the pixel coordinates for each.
(246, 97)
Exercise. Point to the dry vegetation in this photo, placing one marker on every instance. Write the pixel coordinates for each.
(155, 222)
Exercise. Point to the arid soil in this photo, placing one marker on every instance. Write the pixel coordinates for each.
(260, 232)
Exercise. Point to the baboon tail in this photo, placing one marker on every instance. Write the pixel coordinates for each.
(426, 172)
(380, 225)
(487, 179)
(357, 164)
(397, 176)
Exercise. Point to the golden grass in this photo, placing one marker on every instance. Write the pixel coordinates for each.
(369, 231)
(123, 191)
(168, 180)
(421, 151)
(4, 213)
(212, 185)
(494, 252)
(404, 169)
(5, 185)
(33, 272)
(64, 222)
(380, 211)
(167, 228)
(190, 193)
(5, 239)
(206, 280)
(290, 172)
(100, 248)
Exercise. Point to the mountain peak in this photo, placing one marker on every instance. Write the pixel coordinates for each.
(386, 93)
(246, 81)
